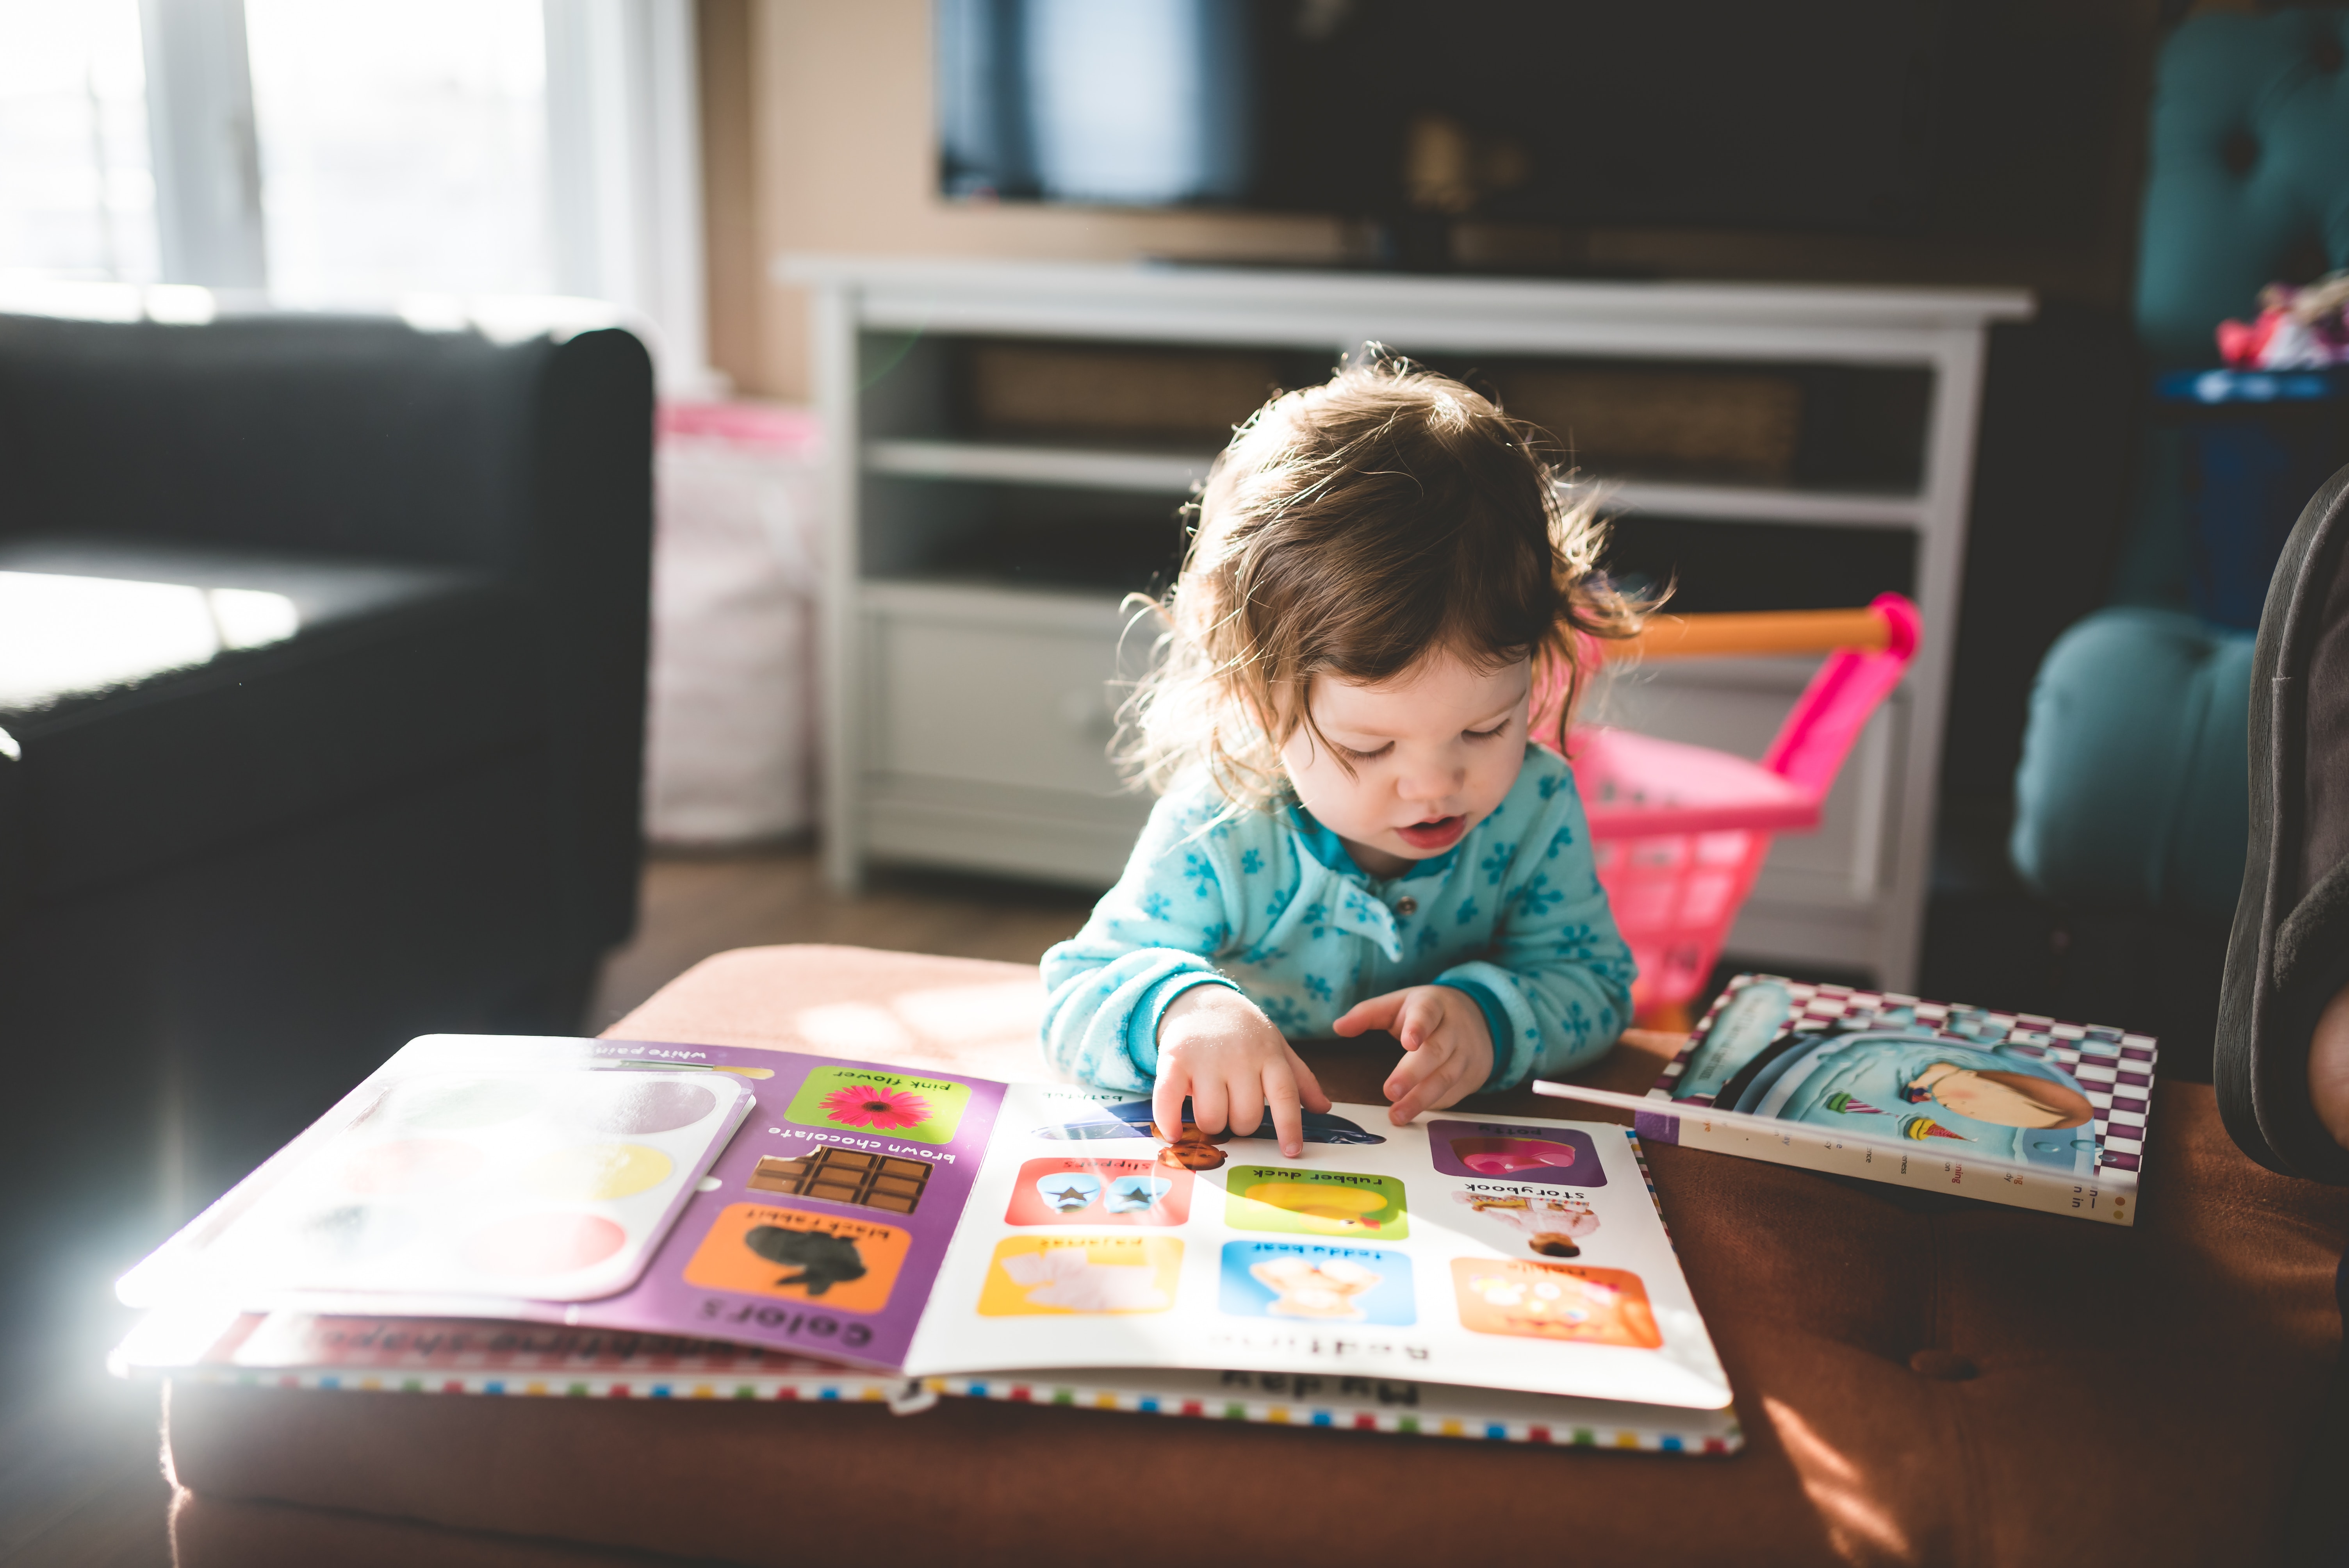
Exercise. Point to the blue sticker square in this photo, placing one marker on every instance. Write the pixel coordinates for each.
(1304, 1281)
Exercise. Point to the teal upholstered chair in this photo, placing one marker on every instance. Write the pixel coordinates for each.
(2130, 802)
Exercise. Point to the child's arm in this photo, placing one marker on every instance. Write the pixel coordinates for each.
(1153, 936)
(1136, 1001)
(1555, 989)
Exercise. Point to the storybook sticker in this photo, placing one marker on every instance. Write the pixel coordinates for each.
(1559, 1156)
(1306, 1202)
(1549, 1223)
(1318, 1282)
(1071, 1190)
(848, 1264)
(880, 1104)
(1044, 1276)
(1554, 1301)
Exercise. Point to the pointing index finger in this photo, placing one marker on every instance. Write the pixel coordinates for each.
(1166, 1104)
(1288, 1118)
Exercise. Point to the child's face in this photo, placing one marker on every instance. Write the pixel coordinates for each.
(1433, 751)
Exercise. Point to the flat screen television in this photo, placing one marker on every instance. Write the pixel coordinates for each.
(1784, 114)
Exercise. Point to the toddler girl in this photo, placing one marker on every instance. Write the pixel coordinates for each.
(1382, 607)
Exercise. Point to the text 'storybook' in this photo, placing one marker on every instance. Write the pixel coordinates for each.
(2007, 1107)
(927, 1225)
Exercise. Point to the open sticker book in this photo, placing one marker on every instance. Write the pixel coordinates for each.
(932, 1227)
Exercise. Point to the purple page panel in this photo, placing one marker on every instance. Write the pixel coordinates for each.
(827, 1216)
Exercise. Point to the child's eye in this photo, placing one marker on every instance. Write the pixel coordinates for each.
(1486, 734)
(1353, 756)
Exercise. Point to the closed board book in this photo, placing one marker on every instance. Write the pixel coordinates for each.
(2007, 1107)
(975, 1238)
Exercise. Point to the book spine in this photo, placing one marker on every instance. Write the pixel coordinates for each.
(1924, 1168)
(1661, 1437)
(541, 1383)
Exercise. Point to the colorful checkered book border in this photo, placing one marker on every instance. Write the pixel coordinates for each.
(428, 1356)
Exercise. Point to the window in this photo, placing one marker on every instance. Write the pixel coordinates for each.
(79, 201)
(403, 148)
(427, 157)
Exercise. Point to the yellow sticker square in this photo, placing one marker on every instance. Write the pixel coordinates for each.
(1060, 1277)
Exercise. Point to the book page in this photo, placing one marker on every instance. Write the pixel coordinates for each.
(817, 1229)
(1515, 1253)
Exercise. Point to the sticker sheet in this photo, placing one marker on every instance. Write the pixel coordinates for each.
(1515, 1253)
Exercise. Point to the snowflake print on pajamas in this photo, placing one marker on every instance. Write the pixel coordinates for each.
(1517, 917)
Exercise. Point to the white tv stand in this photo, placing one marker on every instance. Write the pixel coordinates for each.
(966, 721)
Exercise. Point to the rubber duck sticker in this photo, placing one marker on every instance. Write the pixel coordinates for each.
(1339, 1209)
(1315, 1203)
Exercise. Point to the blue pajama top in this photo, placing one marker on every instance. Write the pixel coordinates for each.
(1270, 903)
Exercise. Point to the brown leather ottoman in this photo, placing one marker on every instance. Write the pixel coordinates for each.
(1921, 1379)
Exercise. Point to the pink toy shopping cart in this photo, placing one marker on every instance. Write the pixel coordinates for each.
(1679, 831)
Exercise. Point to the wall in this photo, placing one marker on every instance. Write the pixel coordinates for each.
(818, 118)
(729, 192)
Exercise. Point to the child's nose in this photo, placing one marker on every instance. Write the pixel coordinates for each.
(1428, 782)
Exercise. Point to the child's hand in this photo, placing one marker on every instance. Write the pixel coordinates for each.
(1214, 1046)
(1448, 1049)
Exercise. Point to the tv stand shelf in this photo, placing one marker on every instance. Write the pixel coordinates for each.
(1161, 473)
(968, 705)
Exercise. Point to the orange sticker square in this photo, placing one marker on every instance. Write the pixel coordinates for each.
(1554, 1301)
(845, 1264)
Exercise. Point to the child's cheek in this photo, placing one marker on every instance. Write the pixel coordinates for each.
(1504, 777)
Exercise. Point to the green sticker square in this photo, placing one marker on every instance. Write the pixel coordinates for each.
(904, 1106)
(1308, 1203)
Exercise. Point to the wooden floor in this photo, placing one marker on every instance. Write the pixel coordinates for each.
(695, 905)
(80, 1484)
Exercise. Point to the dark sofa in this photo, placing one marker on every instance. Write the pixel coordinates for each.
(326, 716)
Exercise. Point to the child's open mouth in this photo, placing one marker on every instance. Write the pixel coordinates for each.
(1435, 835)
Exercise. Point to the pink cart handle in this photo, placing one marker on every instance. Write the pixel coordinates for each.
(1827, 717)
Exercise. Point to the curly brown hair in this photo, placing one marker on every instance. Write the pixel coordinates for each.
(1349, 529)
